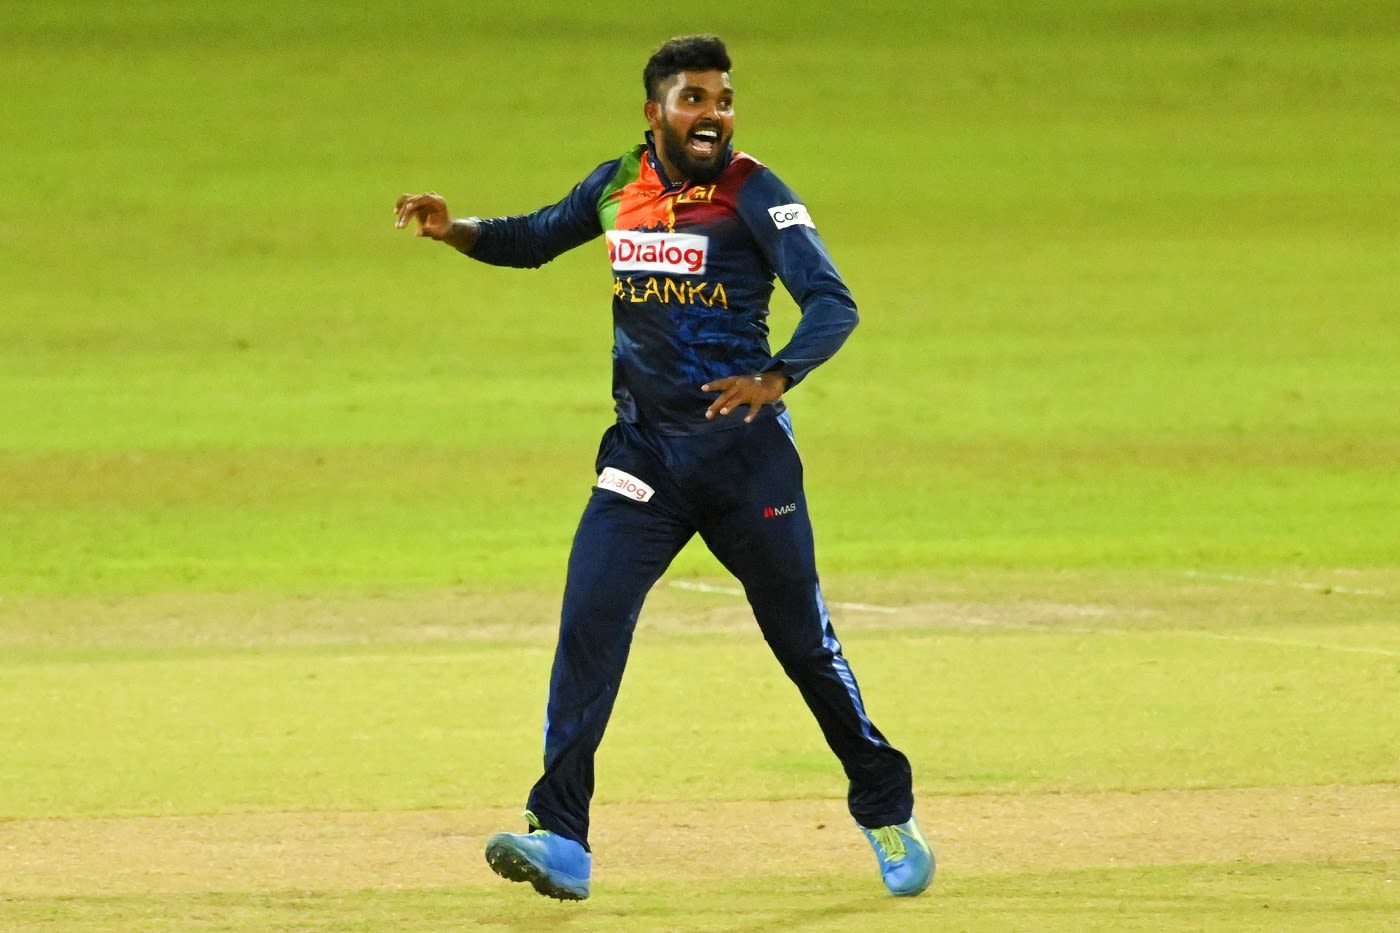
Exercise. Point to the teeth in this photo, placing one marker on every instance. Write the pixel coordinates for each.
(707, 134)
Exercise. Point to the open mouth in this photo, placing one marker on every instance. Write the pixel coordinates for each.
(703, 141)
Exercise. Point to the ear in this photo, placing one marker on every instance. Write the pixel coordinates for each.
(652, 111)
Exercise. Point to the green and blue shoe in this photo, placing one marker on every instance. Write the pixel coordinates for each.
(906, 861)
(558, 867)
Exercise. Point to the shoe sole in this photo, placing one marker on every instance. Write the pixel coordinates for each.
(513, 866)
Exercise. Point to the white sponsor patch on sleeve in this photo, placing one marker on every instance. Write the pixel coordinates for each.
(624, 484)
(790, 215)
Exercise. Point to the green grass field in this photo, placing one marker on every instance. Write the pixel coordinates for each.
(1105, 484)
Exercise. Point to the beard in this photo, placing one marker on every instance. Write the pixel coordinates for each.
(701, 170)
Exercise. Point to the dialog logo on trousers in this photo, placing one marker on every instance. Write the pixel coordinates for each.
(780, 510)
(624, 484)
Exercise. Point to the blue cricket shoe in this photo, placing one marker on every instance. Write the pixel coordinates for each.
(558, 867)
(906, 861)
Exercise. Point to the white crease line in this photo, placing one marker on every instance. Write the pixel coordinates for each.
(1291, 643)
(735, 591)
(1297, 585)
(1197, 633)
(1251, 639)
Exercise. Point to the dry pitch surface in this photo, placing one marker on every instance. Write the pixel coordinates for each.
(712, 841)
(973, 835)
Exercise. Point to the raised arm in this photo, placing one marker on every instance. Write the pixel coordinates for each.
(522, 240)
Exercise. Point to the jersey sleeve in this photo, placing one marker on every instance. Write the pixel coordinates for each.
(530, 240)
(783, 229)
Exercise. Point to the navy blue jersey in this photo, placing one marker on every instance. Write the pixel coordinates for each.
(693, 270)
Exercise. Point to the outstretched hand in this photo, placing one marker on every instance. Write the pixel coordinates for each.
(755, 391)
(429, 209)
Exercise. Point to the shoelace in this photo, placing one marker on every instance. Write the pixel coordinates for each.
(890, 841)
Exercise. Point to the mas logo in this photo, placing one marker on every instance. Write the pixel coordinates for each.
(641, 251)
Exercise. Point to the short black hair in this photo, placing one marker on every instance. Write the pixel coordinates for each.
(683, 53)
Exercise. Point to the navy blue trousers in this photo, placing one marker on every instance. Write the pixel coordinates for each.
(741, 491)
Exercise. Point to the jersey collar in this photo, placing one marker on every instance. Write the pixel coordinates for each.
(660, 170)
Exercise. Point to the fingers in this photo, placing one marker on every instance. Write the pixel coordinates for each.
(407, 206)
(736, 392)
(727, 402)
(419, 207)
(404, 209)
(722, 404)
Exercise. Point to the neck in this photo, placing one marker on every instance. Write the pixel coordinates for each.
(669, 169)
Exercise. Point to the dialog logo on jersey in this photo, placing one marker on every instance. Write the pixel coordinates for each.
(778, 511)
(791, 215)
(624, 484)
(645, 251)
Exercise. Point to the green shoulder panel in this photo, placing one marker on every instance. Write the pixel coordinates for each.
(627, 172)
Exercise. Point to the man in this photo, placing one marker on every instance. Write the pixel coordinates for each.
(696, 233)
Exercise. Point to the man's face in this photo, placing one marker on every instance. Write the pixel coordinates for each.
(693, 124)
